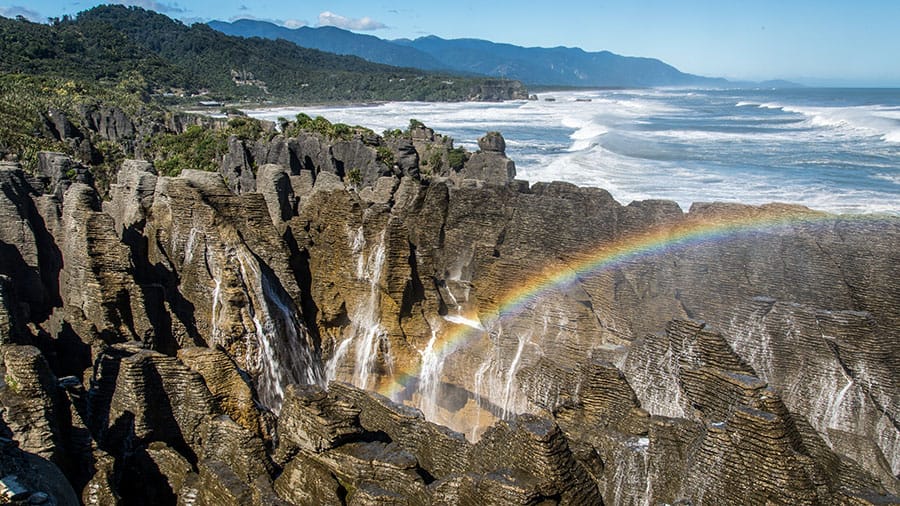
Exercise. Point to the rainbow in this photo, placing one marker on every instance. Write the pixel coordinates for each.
(660, 240)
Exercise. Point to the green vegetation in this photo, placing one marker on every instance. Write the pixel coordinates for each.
(26, 103)
(414, 124)
(456, 158)
(97, 88)
(436, 162)
(354, 177)
(12, 383)
(201, 148)
(321, 126)
(384, 155)
(197, 148)
(111, 158)
(146, 54)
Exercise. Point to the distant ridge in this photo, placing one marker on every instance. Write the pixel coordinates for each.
(334, 40)
(132, 47)
(559, 66)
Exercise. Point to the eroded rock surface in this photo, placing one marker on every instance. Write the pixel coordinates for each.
(360, 320)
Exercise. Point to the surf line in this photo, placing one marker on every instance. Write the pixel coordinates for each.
(690, 231)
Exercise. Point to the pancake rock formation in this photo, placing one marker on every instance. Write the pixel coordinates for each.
(371, 320)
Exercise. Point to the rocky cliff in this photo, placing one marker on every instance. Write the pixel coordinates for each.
(368, 320)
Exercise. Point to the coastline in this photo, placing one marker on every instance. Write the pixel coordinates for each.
(648, 143)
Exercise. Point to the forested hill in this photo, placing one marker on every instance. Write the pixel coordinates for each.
(141, 48)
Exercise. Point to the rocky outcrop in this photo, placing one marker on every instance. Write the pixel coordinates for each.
(219, 337)
(490, 164)
(380, 451)
(29, 256)
(498, 90)
(30, 479)
(237, 168)
(101, 300)
(112, 123)
(29, 398)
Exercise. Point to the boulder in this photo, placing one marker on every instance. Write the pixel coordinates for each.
(490, 164)
(492, 142)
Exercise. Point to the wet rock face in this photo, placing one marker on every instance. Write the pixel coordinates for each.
(194, 340)
(579, 349)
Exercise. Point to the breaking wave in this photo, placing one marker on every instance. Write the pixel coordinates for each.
(834, 150)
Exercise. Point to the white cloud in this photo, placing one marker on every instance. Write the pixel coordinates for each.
(18, 10)
(287, 23)
(153, 5)
(328, 18)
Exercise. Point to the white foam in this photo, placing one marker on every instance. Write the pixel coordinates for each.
(462, 320)
(877, 121)
(648, 144)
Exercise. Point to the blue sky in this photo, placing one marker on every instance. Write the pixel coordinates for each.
(829, 42)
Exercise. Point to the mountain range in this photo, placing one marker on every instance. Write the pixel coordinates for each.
(139, 48)
(558, 66)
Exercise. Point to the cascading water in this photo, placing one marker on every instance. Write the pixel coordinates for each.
(278, 351)
(367, 336)
(430, 378)
(190, 244)
(752, 342)
(496, 386)
(824, 390)
(509, 392)
(655, 379)
(331, 367)
(479, 388)
(631, 473)
(214, 326)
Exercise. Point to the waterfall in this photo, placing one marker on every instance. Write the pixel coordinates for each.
(655, 378)
(339, 353)
(189, 245)
(430, 378)
(495, 383)
(508, 392)
(278, 350)
(820, 387)
(632, 473)
(366, 334)
(462, 320)
(835, 411)
(752, 342)
(479, 380)
(214, 323)
(367, 329)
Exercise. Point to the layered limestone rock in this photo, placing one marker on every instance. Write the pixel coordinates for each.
(101, 300)
(229, 280)
(29, 258)
(378, 451)
(217, 337)
(30, 402)
(464, 256)
(26, 478)
(490, 163)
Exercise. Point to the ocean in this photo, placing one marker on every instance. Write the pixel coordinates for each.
(830, 149)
